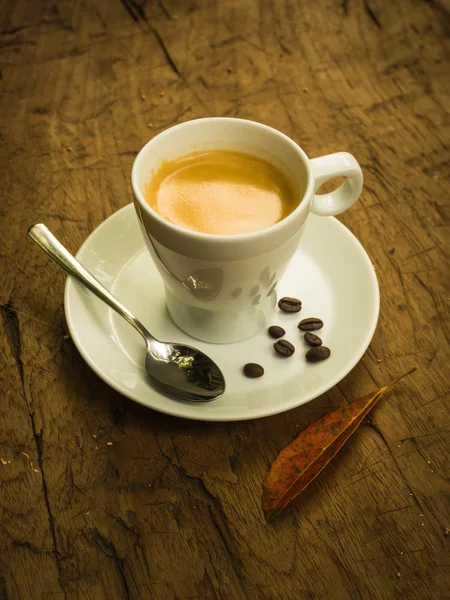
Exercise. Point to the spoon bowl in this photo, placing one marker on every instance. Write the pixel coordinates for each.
(184, 371)
(179, 371)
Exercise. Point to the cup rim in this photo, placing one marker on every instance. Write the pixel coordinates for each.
(227, 238)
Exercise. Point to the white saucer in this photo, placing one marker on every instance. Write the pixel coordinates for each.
(330, 272)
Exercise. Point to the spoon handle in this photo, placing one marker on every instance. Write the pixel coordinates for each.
(47, 241)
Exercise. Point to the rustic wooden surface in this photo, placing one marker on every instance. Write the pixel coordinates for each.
(172, 509)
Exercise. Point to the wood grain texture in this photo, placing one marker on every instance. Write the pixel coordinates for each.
(172, 509)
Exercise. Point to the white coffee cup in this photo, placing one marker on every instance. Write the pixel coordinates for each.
(222, 288)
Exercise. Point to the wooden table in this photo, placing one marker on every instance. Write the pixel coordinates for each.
(172, 509)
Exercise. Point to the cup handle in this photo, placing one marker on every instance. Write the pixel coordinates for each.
(336, 165)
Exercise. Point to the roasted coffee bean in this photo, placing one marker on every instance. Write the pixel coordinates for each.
(312, 340)
(253, 370)
(284, 348)
(276, 332)
(317, 353)
(290, 305)
(310, 324)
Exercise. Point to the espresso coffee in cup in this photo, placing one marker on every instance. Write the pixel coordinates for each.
(222, 204)
(222, 192)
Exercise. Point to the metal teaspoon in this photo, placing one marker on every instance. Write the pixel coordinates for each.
(179, 371)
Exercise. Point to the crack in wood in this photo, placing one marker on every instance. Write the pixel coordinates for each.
(108, 549)
(176, 70)
(417, 437)
(284, 48)
(31, 547)
(213, 503)
(235, 562)
(164, 9)
(122, 523)
(134, 9)
(14, 30)
(12, 329)
(391, 510)
(373, 17)
(166, 53)
(208, 582)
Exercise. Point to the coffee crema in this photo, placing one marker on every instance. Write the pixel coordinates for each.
(221, 192)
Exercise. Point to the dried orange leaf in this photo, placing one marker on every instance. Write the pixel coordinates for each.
(300, 462)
